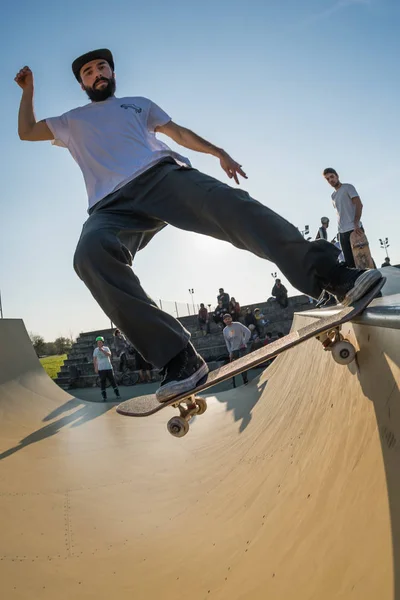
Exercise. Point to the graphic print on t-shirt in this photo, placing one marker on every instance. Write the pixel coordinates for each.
(137, 109)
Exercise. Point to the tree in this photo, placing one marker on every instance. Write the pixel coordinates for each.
(62, 345)
(38, 343)
(50, 349)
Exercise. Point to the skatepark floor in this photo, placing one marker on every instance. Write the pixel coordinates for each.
(285, 489)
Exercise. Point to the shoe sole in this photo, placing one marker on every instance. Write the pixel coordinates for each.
(362, 285)
(174, 388)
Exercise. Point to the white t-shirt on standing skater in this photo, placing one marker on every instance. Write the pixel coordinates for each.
(346, 210)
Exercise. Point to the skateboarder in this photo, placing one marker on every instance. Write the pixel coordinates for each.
(236, 336)
(326, 299)
(136, 185)
(349, 207)
(102, 366)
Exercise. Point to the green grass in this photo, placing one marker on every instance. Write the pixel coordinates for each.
(52, 364)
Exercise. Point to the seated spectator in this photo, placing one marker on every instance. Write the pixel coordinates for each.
(256, 344)
(386, 263)
(268, 338)
(224, 298)
(261, 320)
(280, 293)
(204, 321)
(218, 315)
(234, 309)
(250, 319)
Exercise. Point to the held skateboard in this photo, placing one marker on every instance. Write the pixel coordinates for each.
(326, 330)
(361, 252)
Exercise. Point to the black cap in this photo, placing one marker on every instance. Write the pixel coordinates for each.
(102, 53)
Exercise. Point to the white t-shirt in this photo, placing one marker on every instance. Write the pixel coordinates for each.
(112, 141)
(346, 210)
(103, 361)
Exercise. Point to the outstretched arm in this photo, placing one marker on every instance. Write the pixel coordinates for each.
(28, 128)
(187, 138)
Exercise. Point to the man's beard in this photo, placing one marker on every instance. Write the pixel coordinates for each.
(98, 95)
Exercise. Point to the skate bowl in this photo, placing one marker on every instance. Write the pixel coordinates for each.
(285, 489)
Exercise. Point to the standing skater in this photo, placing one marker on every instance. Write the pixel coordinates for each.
(102, 366)
(349, 208)
(136, 185)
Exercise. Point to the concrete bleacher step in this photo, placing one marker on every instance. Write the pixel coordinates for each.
(211, 346)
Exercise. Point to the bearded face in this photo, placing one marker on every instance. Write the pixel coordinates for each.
(98, 80)
(102, 89)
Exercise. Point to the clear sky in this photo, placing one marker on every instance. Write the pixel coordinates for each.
(286, 87)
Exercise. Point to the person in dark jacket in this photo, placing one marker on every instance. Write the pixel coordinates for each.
(280, 293)
(224, 298)
(251, 322)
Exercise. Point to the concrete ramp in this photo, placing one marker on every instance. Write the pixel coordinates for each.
(287, 489)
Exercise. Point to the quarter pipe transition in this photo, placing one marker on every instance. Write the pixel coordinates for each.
(285, 489)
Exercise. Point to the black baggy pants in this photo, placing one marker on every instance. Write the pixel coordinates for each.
(124, 221)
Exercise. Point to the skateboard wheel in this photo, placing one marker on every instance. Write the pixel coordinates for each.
(343, 352)
(201, 405)
(178, 426)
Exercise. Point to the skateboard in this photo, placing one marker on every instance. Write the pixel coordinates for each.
(361, 253)
(327, 330)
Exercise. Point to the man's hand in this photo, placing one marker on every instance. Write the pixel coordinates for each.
(231, 167)
(357, 230)
(187, 138)
(24, 78)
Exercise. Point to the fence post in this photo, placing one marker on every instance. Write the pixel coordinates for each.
(176, 308)
(160, 301)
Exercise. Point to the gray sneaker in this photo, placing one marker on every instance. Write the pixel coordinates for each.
(183, 373)
(349, 285)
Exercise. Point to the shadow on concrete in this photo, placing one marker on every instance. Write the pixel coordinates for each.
(243, 405)
(83, 413)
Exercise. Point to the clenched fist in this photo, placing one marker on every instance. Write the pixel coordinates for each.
(24, 78)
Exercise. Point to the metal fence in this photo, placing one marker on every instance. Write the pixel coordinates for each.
(181, 309)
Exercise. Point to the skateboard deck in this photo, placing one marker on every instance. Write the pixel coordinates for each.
(326, 330)
(361, 252)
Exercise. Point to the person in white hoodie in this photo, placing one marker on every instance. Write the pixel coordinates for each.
(236, 338)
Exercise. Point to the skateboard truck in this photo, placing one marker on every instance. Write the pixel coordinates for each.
(343, 351)
(188, 408)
